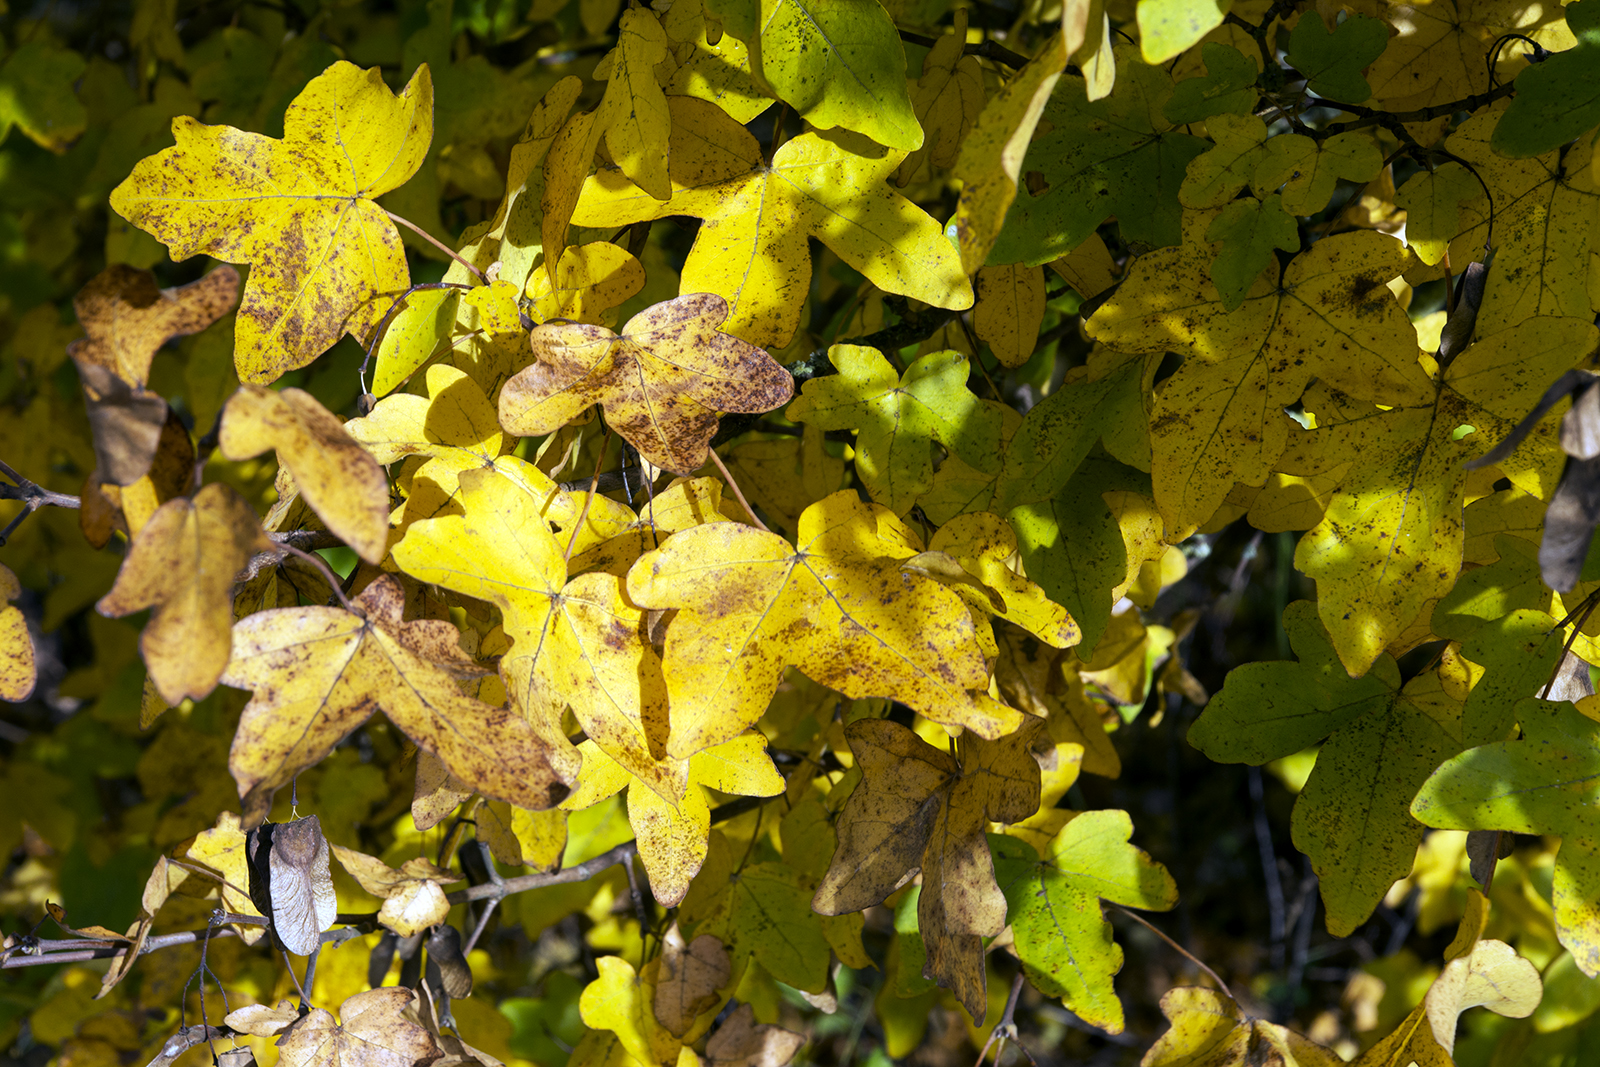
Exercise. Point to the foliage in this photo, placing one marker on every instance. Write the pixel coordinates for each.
(970, 372)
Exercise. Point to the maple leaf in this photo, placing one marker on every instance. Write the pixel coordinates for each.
(1209, 1029)
(947, 99)
(1332, 61)
(36, 93)
(412, 898)
(919, 807)
(984, 546)
(318, 673)
(1228, 88)
(751, 249)
(621, 1000)
(1009, 311)
(222, 849)
(662, 382)
(633, 116)
(741, 1042)
(324, 257)
(1556, 101)
(1432, 202)
(838, 607)
(1116, 156)
(18, 671)
(338, 478)
(691, 975)
(672, 834)
(414, 335)
(127, 318)
(182, 563)
(899, 417)
(1549, 205)
(1392, 536)
(1306, 170)
(576, 643)
(590, 281)
(1542, 783)
(1437, 51)
(1490, 975)
(1352, 817)
(837, 64)
(372, 1032)
(454, 427)
(1219, 419)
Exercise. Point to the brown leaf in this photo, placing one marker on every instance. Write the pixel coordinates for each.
(437, 792)
(739, 1042)
(691, 976)
(127, 318)
(182, 564)
(919, 807)
(293, 882)
(373, 1033)
(444, 951)
(318, 673)
(663, 382)
(336, 477)
(258, 1020)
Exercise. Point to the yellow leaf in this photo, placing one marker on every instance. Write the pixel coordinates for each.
(752, 249)
(338, 478)
(1219, 419)
(986, 547)
(455, 426)
(1492, 976)
(577, 644)
(947, 99)
(1088, 268)
(840, 609)
(1210, 1030)
(591, 280)
(222, 849)
(182, 564)
(318, 673)
(325, 259)
(1009, 310)
(989, 165)
(663, 381)
(17, 670)
(619, 1000)
(633, 115)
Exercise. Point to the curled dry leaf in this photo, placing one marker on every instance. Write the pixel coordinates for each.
(412, 899)
(663, 382)
(182, 564)
(292, 881)
(336, 477)
(740, 1042)
(413, 907)
(318, 673)
(18, 671)
(373, 1032)
(300, 210)
(259, 1020)
(127, 318)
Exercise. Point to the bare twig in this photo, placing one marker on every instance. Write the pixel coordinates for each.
(440, 245)
(332, 579)
(33, 495)
(1185, 953)
(305, 540)
(622, 853)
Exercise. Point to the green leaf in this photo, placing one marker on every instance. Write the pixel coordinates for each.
(1228, 88)
(1249, 230)
(1053, 905)
(1383, 740)
(36, 94)
(1432, 201)
(899, 418)
(1115, 156)
(1557, 100)
(414, 335)
(838, 63)
(763, 910)
(1170, 27)
(1332, 62)
(1546, 782)
(1518, 654)
(1072, 547)
(1058, 432)
(1509, 584)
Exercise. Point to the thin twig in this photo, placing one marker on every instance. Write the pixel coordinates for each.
(737, 492)
(440, 245)
(307, 540)
(1185, 953)
(33, 495)
(622, 853)
(332, 579)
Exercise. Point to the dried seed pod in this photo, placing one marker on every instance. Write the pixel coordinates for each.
(290, 880)
(444, 949)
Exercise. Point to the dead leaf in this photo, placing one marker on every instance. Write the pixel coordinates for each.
(373, 1033)
(258, 1020)
(691, 976)
(182, 564)
(663, 382)
(739, 1042)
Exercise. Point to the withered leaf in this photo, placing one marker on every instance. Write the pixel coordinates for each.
(259, 1020)
(691, 976)
(318, 673)
(919, 807)
(291, 881)
(740, 1042)
(127, 318)
(337, 478)
(373, 1033)
(663, 382)
(182, 564)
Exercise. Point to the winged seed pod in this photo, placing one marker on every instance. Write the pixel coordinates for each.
(1574, 509)
(294, 885)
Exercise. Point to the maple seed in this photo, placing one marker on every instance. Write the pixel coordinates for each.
(292, 883)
